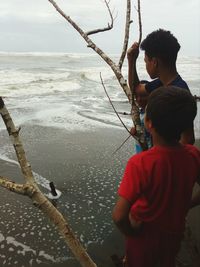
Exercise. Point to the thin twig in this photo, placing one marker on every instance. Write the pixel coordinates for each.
(110, 25)
(140, 22)
(124, 113)
(113, 105)
(122, 144)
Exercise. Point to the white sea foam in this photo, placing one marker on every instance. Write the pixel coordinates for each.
(40, 180)
(94, 73)
(24, 248)
(21, 77)
(65, 91)
(20, 248)
(56, 88)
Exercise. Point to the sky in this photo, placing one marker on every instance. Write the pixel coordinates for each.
(35, 26)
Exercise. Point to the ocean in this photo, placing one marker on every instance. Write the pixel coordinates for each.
(55, 85)
(69, 131)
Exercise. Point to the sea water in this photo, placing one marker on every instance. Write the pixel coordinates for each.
(64, 92)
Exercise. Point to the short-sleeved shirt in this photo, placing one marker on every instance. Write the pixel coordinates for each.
(179, 82)
(159, 183)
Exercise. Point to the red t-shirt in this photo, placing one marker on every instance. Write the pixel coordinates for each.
(159, 183)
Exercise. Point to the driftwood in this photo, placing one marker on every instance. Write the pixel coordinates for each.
(30, 189)
(116, 67)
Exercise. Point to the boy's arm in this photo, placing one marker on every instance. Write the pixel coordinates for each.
(132, 55)
(132, 186)
(133, 79)
(120, 216)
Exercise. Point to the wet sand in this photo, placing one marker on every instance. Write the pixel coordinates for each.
(84, 169)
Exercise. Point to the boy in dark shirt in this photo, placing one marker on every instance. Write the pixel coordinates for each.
(161, 49)
(155, 193)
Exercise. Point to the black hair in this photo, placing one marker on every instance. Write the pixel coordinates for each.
(161, 44)
(172, 111)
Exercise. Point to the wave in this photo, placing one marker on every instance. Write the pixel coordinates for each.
(34, 54)
(49, 54)
(105, 118)
(58, 94)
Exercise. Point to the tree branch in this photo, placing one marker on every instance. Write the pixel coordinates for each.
(37, 197)
(139, 137)
(116, 70)
(109, 27)
(134, 109)
(114, 106)
(14, 137)
(114, 67)
(122, 144)
(126, 36)
(22, 189)
(140, 22)
(92, 45)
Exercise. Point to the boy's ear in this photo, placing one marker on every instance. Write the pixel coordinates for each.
(148, 124)
(155, 61)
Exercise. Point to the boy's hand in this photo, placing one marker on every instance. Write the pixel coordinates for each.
(133, 52)
(135, 224)
(133, 131)
(120, 217)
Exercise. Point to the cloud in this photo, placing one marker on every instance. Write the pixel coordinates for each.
(38, 23)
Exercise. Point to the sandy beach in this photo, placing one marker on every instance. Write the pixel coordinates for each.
(84, 169)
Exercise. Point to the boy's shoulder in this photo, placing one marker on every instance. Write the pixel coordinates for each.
(144, 156)
(158, 154)
(152, 85)
(178, 82)
(193, 150)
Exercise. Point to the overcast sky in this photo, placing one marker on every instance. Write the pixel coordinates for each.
(34, 25)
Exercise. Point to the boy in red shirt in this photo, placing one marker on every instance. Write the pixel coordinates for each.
(155, 193)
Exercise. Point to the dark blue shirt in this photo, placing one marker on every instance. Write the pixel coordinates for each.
(179, 82)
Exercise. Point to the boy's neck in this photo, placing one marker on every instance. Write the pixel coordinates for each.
(168, 76)
(160, 141)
